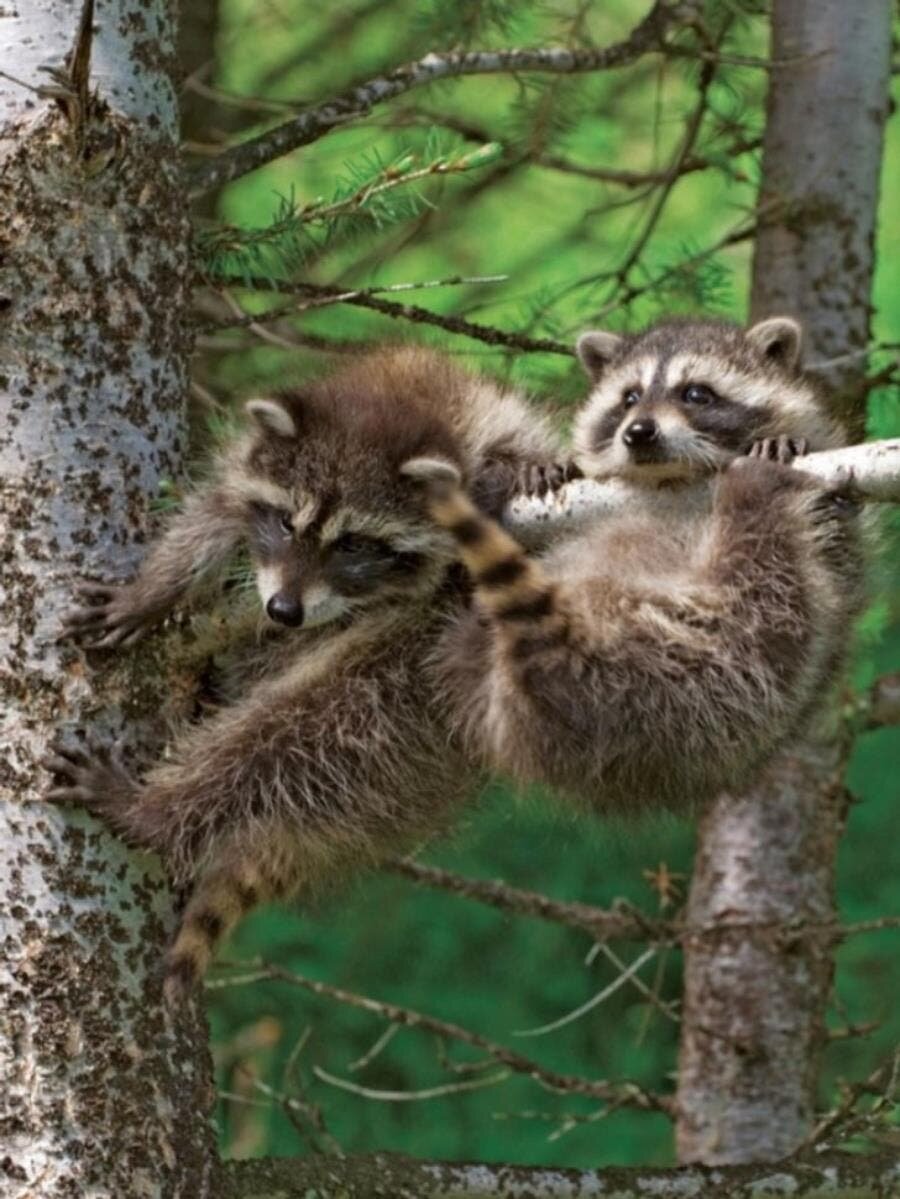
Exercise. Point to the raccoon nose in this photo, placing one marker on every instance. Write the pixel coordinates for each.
(641, 432)
(285, 609)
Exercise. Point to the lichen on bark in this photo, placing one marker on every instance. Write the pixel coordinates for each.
(104, 1094)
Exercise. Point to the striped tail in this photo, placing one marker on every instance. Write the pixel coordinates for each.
(218, 902)
(510, 586)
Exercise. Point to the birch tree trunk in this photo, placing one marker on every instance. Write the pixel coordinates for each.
(102, 1095)
(755, 1002)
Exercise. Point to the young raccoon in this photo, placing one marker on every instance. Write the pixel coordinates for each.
(663, 655)
(341, 752)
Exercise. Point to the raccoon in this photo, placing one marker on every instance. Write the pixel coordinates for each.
(340, 752)
(663, 655)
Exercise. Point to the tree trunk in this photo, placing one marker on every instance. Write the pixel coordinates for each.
(755, 1002)
(103, 1094)
(821, 162)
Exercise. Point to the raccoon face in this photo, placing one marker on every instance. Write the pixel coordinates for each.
(330, 530)
(682, 399)
(313, 568)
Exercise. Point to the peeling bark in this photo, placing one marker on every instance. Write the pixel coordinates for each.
(753, 1019)
(102, 1094)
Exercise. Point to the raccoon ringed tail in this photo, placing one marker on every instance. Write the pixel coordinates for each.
(218, 902)
(510, 586)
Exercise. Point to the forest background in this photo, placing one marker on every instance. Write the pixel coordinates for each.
(577, 205)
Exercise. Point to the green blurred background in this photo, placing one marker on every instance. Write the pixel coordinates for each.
(536, 214)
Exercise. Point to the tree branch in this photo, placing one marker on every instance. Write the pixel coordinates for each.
(829, 1176)
(407, 312)
(572, 1084)
(871, 469)
(625, 923)
(648, 35)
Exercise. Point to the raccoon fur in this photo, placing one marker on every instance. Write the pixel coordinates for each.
(665, 654)
(340, 752)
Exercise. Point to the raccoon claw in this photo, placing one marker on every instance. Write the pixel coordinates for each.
(537, 478)
(89, 776)
(104, 615)
(779, 449)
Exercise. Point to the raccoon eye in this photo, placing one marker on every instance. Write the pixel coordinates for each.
(355, 543)
(286, 522)
(698, 393)
(630, 398)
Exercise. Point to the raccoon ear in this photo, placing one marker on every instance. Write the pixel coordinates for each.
(432, 470)
(780, 339)
(272, 417)
(596, 349)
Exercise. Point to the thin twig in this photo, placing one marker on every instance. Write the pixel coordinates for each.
(408, 312)
(623, 922)
(882, 1079)
(554, 1080)
(595, 1000)
(438, 1092)
(245, 320)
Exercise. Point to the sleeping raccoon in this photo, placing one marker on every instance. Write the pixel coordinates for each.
(340, 753)
(663, 655)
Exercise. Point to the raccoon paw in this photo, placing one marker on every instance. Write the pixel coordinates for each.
(108, 613)
(501, 480)
(779, 449)
(752, 483)
(89, 777)
(541, 478)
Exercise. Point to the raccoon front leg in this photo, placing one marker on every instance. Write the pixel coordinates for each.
(224, 892)
(199, 541)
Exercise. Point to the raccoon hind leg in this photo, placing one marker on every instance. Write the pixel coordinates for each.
(223, 895)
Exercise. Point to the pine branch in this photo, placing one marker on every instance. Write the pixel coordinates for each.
(647, 36)
(363, 197)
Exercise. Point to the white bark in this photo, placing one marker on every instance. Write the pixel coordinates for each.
(753, 1017)
(102, 1096)
(873, 470)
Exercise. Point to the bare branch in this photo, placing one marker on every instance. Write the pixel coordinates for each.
(623, 922)
(408, 1018)
(647, 36)
(300, 305)
(882, 1082)
(438, 1092)
(408, 312)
